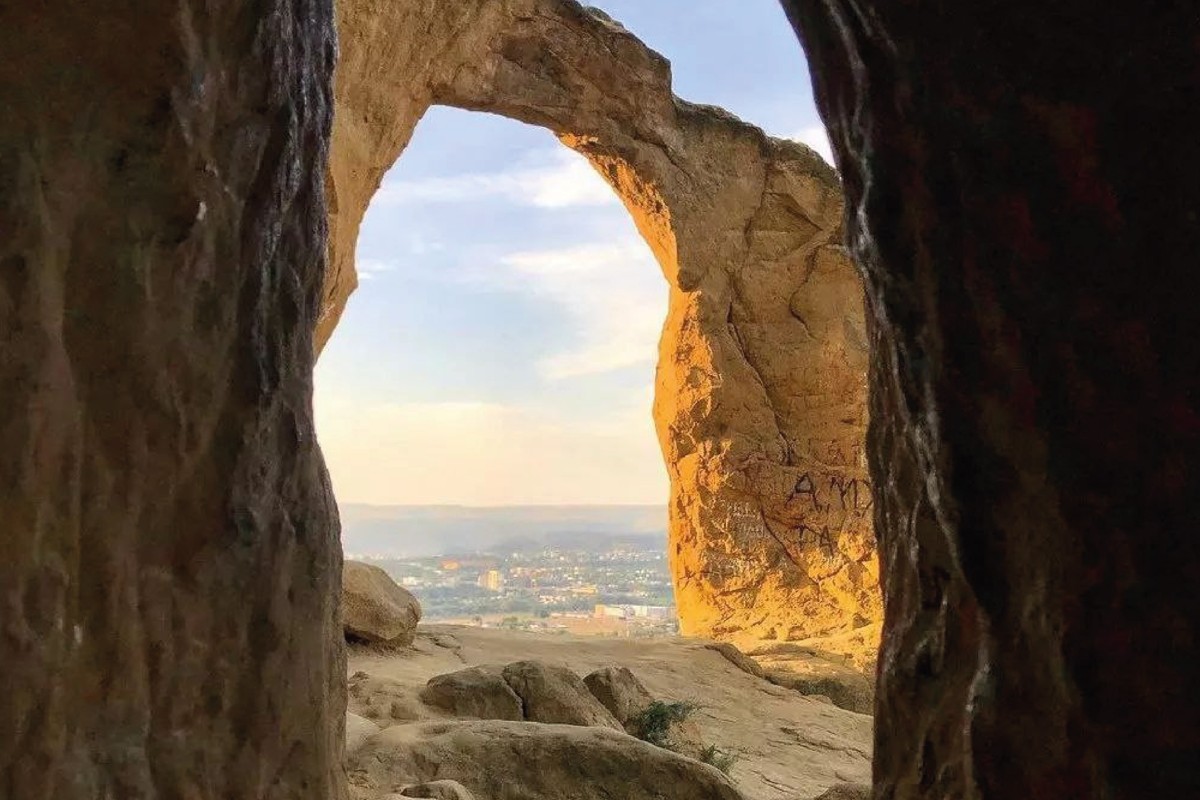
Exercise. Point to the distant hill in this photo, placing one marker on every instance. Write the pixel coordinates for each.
(416, 531)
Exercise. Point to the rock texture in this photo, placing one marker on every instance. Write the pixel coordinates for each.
(788, 746)
(619, 690)
(438, 790)
(761, 388)
(530, 761)
(847, 791)
(169, 552)
(358, 731)
(1023, 191)
(479, 692)
(554, 694)
(374, 608)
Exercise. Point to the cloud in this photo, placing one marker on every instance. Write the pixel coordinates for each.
(815, 137)
(613, 294)
(563, 179)
(370, 268)
(487, 454)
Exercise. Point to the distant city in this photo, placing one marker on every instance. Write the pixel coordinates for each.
(598, 570)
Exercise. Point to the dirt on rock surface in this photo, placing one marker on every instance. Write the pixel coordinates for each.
(787, 745)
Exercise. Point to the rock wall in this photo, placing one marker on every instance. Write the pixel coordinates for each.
(761, 387)
(168, 543)
(1023, 189)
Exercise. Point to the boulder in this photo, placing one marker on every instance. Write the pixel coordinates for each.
(554, 694)
(626, 698)
(358, 731)
(476, 692)
(375, 608)
(619, 691)
(500, 760)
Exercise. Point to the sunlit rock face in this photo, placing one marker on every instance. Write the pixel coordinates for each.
(168, 544)
(1024, 192)
(761, 386)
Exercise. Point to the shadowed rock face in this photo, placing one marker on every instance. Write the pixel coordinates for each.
(761, 386)
(168, 543)
(1024, 189)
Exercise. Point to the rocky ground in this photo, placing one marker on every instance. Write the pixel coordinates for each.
(491, 731)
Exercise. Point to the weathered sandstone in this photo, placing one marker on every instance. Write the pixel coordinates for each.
(761, 388)
(788, 745)
(553, 693)
(375, 609)
(358, 731)
(847, 791)
(619, 690)
(478, 692)
(1023, 189)
(437, 790)
(533, 761)
(169, 554)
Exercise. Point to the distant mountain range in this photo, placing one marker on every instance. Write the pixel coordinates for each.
(417, 531)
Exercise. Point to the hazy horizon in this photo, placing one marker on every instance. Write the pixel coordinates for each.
(405, 531)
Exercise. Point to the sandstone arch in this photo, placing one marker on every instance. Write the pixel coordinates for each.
(760, 389)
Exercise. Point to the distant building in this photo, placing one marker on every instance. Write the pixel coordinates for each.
(491, 580)
(633, 612)
(450, 565)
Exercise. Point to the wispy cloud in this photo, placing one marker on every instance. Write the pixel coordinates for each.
(371, 268)
(562, 179)
(613, 294)
(815, 137)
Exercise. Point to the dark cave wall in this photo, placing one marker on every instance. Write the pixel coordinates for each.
(168, 540)
(1023, 198)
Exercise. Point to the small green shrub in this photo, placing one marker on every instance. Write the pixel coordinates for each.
(716, 757)
(653, 723)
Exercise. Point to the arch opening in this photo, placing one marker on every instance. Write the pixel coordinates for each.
(490, 389)
(760, 400)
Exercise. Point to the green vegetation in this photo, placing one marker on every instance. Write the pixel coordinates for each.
(653, 723)
(716, 757)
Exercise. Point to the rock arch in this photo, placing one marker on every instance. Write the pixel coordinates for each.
(761, 384)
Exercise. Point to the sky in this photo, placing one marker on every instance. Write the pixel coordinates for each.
(500, 348)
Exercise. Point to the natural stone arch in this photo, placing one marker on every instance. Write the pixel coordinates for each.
(760, 391)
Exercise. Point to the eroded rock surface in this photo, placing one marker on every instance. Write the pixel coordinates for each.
(787, 745)
(761, 388)
(169, 554)
(375, 609)
(555, 694)
(531, 761)
(1025, 202)
(438, 790)
(358, 731)
(479, 692)
(619, 690)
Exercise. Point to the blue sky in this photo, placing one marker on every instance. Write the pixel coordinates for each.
(500, 348)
